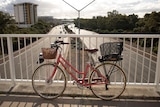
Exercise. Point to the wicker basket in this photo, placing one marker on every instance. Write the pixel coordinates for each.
(111, 51)
(49, 53)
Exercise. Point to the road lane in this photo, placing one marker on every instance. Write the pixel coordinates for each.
(25, 59)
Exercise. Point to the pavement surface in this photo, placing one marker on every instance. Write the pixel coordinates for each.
(34, 101)
(131, 92)
(22, 95)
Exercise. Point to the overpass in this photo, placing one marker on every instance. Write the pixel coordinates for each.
(141, 64)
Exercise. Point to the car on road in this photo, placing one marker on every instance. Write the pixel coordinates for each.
(41, 59)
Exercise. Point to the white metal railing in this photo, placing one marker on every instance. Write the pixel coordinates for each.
(140, 63)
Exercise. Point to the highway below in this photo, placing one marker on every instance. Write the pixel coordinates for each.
(25, 59)
(138, 68)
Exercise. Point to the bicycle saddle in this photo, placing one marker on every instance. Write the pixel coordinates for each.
(91, 50)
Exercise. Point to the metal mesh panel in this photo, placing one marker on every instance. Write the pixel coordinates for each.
(111, 48)
(111, 51)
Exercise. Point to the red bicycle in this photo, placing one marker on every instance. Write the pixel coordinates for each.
(107, 80)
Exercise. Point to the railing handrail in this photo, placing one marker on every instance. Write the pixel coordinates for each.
(116, 36)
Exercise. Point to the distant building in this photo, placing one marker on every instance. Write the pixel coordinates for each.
(25, 14)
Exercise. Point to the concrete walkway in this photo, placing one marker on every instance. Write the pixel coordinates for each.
(22, 95)
(35, 101)
(131, 92)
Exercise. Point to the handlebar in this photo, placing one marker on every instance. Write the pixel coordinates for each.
(60, 42)
(57, 44)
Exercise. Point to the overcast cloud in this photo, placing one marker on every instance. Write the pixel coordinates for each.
(59, 9)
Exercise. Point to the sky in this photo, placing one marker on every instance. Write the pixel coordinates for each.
(86, 8)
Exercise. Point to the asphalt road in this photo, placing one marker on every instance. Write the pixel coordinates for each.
(138, 67)
(26, 59)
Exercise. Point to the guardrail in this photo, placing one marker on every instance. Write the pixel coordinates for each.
(19, 55)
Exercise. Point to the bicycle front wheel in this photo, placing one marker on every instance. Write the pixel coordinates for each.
(46, 84)
(108, 81)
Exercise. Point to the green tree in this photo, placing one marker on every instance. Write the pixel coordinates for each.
(152, 23)
(113, 13)
(93, 23)
(149, 24)
(101, 22)
(7, 23)
(41, 27)
(117, 21)
(132, 19)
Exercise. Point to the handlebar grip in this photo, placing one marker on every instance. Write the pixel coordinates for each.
(64, 43)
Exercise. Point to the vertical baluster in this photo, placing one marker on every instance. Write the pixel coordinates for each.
(143, 60)
(136, 61)
(129, 68)
(150, 61)
(20, 58)
(11, 59)
(157, 79)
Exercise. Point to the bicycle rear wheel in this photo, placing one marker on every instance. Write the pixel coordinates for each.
(45, 85)
(108, 81)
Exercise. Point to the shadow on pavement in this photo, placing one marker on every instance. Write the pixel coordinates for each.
(36, 101)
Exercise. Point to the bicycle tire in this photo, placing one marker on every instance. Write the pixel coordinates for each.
(116, 77)
(45, 87)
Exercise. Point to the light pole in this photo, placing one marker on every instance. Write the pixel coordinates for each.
(79, 10)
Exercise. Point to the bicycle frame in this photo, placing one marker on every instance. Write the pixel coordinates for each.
(82, 81)
(101, 81)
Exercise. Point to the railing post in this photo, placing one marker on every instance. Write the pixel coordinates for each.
(11, 59)
(157, 79)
